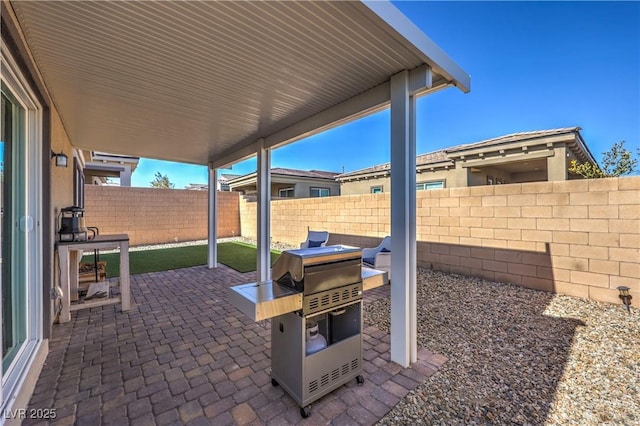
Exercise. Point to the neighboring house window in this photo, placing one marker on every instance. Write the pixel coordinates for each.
(78, 184)
(423, 186)
(319, 192)
(376, 189)
(285, 193)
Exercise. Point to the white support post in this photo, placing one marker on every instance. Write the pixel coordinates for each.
(403, 204)
(212, 233)
(413, 248)
(264, 212)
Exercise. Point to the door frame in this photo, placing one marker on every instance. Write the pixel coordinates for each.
(12, 380)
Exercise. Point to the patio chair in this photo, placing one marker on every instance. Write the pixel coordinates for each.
(379, 257)
(315, 239)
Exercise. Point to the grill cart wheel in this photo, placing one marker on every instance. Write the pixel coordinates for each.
(305, 411)
(360, 379)
(274, 382)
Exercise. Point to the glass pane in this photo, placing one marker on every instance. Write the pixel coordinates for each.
(319, 192)
(286, 193)
(13, 279)
(429, 185)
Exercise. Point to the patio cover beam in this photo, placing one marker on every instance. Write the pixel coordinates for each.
(406, 31)
(212, 234)
(369, 102)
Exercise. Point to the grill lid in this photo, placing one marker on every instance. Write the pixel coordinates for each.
(293, 262)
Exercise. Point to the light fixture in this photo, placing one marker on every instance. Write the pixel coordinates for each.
(625, 296)
(61, 159)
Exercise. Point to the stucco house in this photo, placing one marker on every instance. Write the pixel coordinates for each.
(535, 156)
(222, 183)
(291, 183)
(98, 166)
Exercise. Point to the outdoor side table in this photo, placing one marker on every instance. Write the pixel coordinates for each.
(68, 256)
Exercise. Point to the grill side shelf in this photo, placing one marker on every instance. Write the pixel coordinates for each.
(260, 301)
(372, 278)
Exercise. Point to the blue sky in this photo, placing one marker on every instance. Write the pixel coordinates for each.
(533, 66)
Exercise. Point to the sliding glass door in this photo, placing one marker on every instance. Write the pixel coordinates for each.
(20, 231)
(13, 238)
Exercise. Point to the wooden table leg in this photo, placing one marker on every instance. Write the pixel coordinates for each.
(63, 259)
(74, 259)
(125, 285)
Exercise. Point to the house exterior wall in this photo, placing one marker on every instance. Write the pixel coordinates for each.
(54, 190)
(577, 237)
(453, 178)
(364, 186)
(449, 177)
(480, 177)
(301, 186)
(303, 189)
(61, 193)
(463, 175)
(155, 216)
(530, 176)
(456, 177)
(557, 166)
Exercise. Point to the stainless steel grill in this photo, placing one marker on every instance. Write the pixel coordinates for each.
(319, 286)
(330, 280)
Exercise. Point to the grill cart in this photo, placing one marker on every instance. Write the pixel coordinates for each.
(315, 306)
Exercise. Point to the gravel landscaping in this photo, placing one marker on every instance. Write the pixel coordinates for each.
(519, 356)
(516, 356)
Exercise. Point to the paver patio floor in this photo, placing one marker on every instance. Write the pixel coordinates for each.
(184, 355)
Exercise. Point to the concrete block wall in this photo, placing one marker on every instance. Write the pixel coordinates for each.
(155, 216)
(579, 237)
(352, 216)
(573, 237)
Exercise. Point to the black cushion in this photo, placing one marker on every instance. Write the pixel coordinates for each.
(313, 244)
(385, 250)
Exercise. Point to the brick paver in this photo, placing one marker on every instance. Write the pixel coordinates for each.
(184, 355)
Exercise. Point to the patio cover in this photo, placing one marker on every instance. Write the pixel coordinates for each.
(216, 82)
(200, 82)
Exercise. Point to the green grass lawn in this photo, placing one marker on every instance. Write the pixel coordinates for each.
(236, 255)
